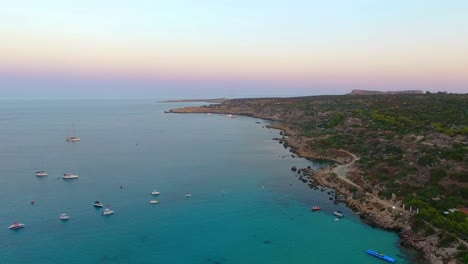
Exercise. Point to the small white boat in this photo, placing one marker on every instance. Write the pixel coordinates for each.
(338, 213)
(41, 173)
(107, 211)
(98, 204)
(16, 226)
(154, 192)
(231, 116)
(154, 201)
(188, 195)
(64, 217)
(69, 176)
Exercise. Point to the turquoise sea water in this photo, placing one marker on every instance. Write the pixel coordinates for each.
(223, 162)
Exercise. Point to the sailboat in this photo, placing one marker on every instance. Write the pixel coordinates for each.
(73, 138)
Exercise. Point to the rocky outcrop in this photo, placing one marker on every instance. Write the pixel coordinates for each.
(429, 246)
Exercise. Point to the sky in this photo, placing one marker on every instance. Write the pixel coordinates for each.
(221, 48)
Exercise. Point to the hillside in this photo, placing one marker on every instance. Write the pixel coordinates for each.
(412, 151)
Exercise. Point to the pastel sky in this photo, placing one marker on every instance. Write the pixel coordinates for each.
(202, 48)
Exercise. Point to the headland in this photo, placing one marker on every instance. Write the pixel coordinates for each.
(400, 160)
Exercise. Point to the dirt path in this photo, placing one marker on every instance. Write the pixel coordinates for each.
(342, 171)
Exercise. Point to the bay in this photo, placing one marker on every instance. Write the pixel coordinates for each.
(246, 205)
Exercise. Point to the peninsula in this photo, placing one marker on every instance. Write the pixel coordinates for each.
(400, 159)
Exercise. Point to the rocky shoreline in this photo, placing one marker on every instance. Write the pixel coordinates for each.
(378, 213)
(374, 211)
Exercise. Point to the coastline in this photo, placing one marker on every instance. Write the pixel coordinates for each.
(367, 205)
(374, 211)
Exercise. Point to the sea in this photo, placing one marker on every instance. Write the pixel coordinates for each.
(246, 204)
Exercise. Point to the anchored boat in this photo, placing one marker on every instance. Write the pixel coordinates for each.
(316, 208)
(107, 211)
(73, 138)
(16, 226)
(64, 217)
(380, 256)
(338, 213)
(41, 173)
(70, 176)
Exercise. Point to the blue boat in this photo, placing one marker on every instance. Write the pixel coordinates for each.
(380, 256)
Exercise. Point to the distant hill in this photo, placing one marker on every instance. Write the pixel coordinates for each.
(216, 100)
(369, 92)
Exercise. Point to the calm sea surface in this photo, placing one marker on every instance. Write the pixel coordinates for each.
(222, 162)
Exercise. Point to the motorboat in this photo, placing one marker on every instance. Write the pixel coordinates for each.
(338, 213)
(16, 226)
(380, 255)
(107, 211)
(69, 176)
(188, 195)
(316, 208)
(154, 192)
(64, 217)
(154, 201)
(41, 173)
(98, 204)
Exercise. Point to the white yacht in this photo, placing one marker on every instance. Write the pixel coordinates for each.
(69, 176)
(154, 201)
(154, 192)
(107, 211)
(41, 173)
(188, 195)
(64, 217)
